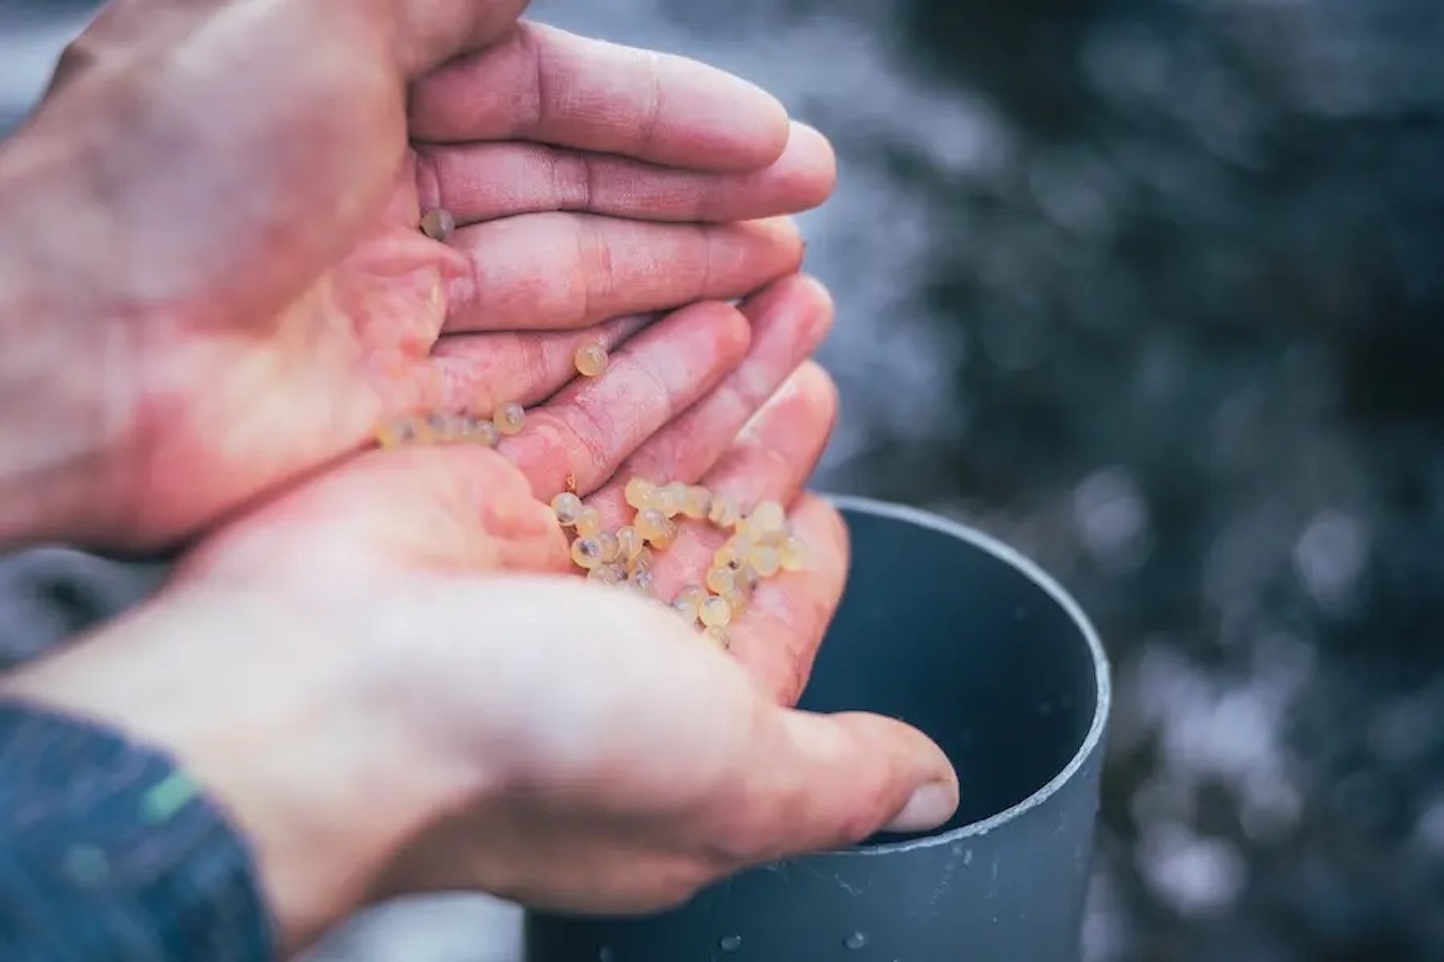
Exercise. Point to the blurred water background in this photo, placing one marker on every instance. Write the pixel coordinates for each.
(1154, 291)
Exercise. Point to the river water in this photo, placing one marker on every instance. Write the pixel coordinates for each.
(1154, 291)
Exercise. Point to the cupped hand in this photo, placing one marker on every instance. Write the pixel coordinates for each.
(394, 684)
(219, 207)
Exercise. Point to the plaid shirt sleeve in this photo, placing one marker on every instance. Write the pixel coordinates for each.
(109, 853)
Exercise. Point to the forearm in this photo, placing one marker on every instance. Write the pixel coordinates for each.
(311, 791)
(108, 853)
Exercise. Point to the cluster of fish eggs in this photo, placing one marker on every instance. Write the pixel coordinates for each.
(759, 545)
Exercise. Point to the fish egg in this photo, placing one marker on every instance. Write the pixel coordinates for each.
(639, 493)
(610, 546)
(696, 502)
(721, 580)
(715, 612)
(643, 582)
(607, 574)
(724, 513)
(437, 224)
(481, 432)
(733, 552)
(764, 560)
(509, 418)
(396, 432)
(768, 518)
(586, 553)
(651, 523)
(588, 521)
(792, 554)
(670, 498)
(567, 506)
(591, 359)
(629, 543)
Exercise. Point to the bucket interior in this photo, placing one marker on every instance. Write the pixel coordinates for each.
(936, 631)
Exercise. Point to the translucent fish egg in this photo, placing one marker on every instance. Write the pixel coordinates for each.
(720, 580)
(509, 418)
(697, 502)
(395, 432)
(692, 597)
(591, 359)
(644, 583)
(629, 543)
(724, 513)
(718, 636)
(481, 432)
(737, 600)
(765, 560)
(642, 560)
(733, 553)
(767, 518)
(666, 537)
(689, 600)
(607, 574)
(651, 524)
(438, 224)
(639, 493)
(792, 554)
(610, 546)
(567, 507)
(715, 612)
(586, 553)
(588, 521)
(445, 428)
(670, 498)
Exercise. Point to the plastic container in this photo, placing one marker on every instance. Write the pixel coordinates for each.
(957, 634)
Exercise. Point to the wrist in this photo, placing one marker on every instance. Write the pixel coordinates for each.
(325, 792)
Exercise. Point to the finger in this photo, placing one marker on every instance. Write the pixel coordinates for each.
(770, 460)
(546, 85)
(486, 181)
(789, 319)
(817, 782)
(577, 439)
(480, 372)
(777, 635)
(554, 271)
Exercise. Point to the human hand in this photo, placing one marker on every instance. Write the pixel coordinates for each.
(221, 280)
(385, 677)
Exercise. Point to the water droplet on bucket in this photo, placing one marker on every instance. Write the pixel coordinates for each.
(730, 943)
(855, 941)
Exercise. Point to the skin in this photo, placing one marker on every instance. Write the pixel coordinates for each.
(386, 671)
(192, 321)
(487, 721)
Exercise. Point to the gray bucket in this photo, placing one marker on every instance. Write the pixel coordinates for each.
(957, 634)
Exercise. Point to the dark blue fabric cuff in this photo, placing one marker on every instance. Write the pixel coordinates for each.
(110, 853)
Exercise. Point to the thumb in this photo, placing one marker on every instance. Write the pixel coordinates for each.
(451, 508)
(829, 781)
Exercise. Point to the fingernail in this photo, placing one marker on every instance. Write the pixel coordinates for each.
(930, 806)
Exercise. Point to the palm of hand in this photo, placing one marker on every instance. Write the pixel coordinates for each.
(288, 328)
(417, 523)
